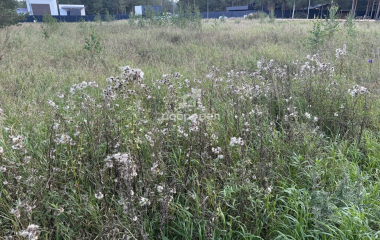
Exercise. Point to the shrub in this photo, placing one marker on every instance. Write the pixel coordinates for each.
(98, 18)
(108, 17)
(271, 16)
(94, 45)
(8, 14)
(257, 15)
(49, 25)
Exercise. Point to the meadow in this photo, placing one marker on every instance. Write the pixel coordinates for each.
(224, 129)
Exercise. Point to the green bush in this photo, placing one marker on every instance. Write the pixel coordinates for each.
(98, 18)
(108, 17)
(94, 45)
(257, 15)
(8, 14)
(188, 16)
(271, 16)
(327, 28)
(49, 25)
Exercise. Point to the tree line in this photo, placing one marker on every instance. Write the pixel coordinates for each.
(371, 7)
(126, 6)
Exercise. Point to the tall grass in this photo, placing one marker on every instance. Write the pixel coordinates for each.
(238, 132)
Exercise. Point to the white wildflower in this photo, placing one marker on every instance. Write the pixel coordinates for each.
(193, 118)
(154, 168)
(357, 90)
(16, 212)
(341, 52)
(31, 233)
(216, 150)
(27, 159)
(59, 211)
(99, 195)
(238, 141)
(144, 201)
(51, 103)
(160, 188)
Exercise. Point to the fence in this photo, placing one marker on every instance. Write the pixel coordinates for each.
(313, 13)
(278, 14)
(88, 18)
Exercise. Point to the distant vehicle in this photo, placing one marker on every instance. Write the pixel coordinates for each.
(223, 17)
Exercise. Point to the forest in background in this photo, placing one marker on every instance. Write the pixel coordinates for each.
(126, 6)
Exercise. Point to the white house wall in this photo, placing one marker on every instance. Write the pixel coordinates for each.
(63, 11)
(52, 4)
(138, 10)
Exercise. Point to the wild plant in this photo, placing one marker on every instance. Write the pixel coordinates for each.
(188, 16)
(350, 24)
(108, 17)
(4, 44)
(223, 19)
(49, 25)
(263, 16)
(271, 150)
(271, 17)
(98, 18)
(150, 15)
(321, 30)
(94, 45)
(82, 24)
(257, 15)
(215, 24)
(331, 24)
(141, 21)
(132, 19)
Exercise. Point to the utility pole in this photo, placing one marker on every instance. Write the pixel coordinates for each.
(308, 9)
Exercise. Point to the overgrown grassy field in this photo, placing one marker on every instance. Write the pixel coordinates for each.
(232, 130)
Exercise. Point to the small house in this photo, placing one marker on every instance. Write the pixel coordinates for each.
(41, 7)
(71, 10)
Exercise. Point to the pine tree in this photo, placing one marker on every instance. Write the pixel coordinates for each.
(8, 14)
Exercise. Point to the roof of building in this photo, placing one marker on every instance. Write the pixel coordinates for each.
(70, 6)
(240, 8)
